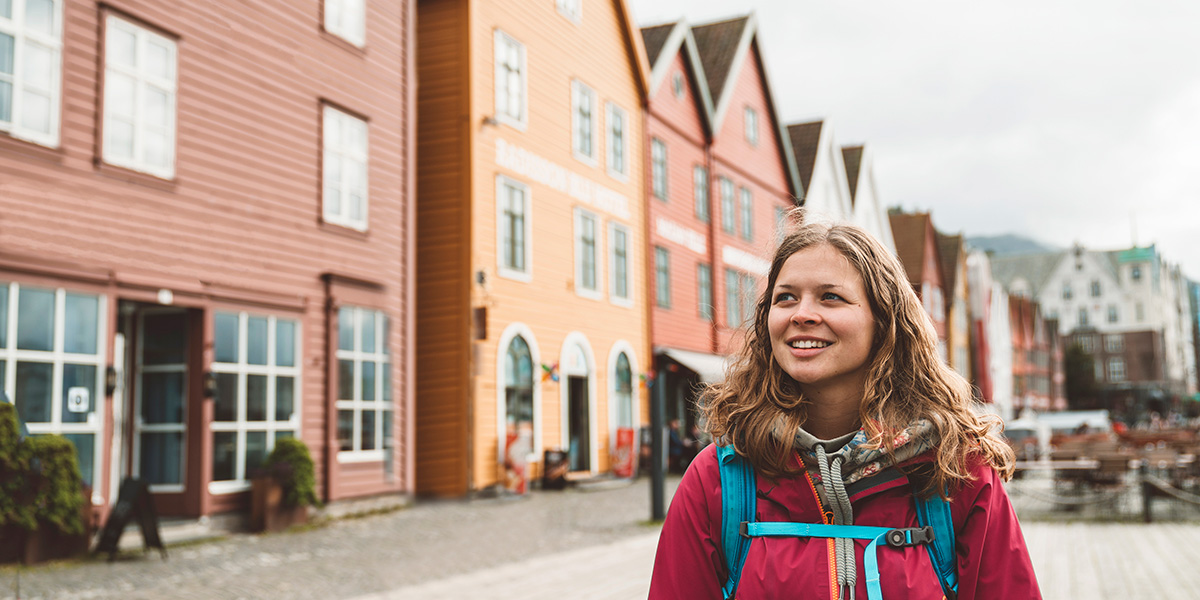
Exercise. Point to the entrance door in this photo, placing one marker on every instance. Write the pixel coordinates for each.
(160, 398)
(579, 451)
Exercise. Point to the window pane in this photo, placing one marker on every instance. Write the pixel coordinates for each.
(34, 385)
(121, 46)
(226, 401)
(345, 430)
(283, 435)
(6, 54)
(256, 397)
(368, 381)
(158, 59)
(39, 16)
(345, 380)
(39, 66)
(6, 9)
(35, 111)
(368, 430)
(346, 328)
(5, 97)
(256, 451)
(285, 343)
(225, 337)
(387, 331)
(256, 340)
(119, 94)
(118, 138)
(162, 397)
(285, 390)
(162, 457)
(224, 455)
(79, 383)
(387, 429)
(164, 339)
(368, 330)
(85, 453)
(4, 376)
(82, 318)
(154, 147)
(3, 317)
(35, 319)
(386, 375)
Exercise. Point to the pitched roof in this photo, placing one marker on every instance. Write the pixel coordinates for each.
(805, 138)
(852, 156)
(949, 247)
(909, 232)
(718, 44)
(655, 37)
(1035, 268)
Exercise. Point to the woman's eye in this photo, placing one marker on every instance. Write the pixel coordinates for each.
(784, 297)
(830, 296)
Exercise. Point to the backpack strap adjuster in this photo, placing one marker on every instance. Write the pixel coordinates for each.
(910, 536)
(744, 529)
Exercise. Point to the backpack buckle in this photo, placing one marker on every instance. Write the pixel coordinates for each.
(744, 529)
(909, 536)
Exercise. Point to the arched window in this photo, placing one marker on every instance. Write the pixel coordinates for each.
(518, 377)
(624, 391)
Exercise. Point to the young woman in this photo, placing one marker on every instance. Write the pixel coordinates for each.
(840, 401)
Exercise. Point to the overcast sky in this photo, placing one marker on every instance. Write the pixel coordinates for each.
(1060, 120)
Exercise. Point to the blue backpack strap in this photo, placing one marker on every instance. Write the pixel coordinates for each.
(738, 501)
(935, 512)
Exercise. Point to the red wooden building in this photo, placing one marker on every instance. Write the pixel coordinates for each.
(206, 240)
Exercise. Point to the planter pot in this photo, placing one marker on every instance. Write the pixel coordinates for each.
(267, 511)
(13, 543)
(46, 544)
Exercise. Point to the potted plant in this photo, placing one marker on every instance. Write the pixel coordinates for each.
(284, 488)
(16, 499)
(59, 504)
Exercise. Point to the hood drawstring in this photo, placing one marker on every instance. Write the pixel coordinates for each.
(843, 514)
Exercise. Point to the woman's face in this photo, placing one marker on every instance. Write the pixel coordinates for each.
(820, 322)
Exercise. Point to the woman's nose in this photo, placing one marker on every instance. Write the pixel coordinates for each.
(806, 313)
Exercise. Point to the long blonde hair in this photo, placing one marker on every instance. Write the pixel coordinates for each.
(906, 378)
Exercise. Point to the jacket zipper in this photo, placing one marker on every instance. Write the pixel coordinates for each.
(827, 518)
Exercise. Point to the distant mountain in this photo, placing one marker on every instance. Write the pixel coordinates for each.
(1009, 244)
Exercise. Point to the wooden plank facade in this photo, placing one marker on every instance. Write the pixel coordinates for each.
(531, 247)
(181, 282)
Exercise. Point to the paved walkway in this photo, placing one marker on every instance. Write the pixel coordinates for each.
(574, 544)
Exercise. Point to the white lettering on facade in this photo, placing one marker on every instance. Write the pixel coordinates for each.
(745, 261)
(549, 173)
(674, 232)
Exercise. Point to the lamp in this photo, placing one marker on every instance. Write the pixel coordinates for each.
(110, 380)
(210, 384)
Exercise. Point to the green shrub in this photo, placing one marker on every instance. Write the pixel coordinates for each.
(57, 484)
(16, 497)
(291, 464)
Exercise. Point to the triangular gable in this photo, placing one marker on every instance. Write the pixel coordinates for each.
(655, 38)
(671, 39)
(852, 157)
(806, 141)
(949, 246)
(909, 232)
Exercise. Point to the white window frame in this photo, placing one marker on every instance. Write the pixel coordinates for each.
(143, 83)
(243, 369)
(503, 184)
(733, 298)
(750, 122)
(571, 9)
(1116, 369)
(746, 216)
(58, 357)
(658, 169)
(504, 114)
(1114, 342)
(614, 277)
(580, 91)
(1083, 317)
(25, 38)
(582, 216)
(617, 141)
(347, 19)
(677, 84)
(701, 193)
(704, 291)
(382, 362)
(351, 158)
(1114, 315)
(662, 277)
(728, 211)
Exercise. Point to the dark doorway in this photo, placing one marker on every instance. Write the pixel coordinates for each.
(578, 424)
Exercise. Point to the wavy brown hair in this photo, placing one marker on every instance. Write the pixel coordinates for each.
(906, 378)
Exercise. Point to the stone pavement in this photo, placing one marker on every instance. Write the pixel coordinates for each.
(590, 544)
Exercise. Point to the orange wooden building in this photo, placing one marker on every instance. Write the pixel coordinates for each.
(531, 296)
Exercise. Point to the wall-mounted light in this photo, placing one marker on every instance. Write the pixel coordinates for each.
(490, 120)
(110, 380)
(210, 384)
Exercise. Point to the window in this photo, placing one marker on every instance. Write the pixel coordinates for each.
(749, 283)
(139, 99)
(728, 218)
(658, 168)
(346, 19)
(677, 84)
(1112, 313)
(1086, 344)
(617, 142)
(1114, 343)
(1066, 290)
(52, 364)
(618, 244)
(747, 214)
(571, 9)
(662, 277)
(256, 363)
(1140, 312)
(733, 298)
(1083, 317)
(31, 69)
(345, 157)
(586, 255)
(1095, 288)
(751, 123)
(1135, 272)
(623, 391)
(704, 282)
(583, 122)
(364, 405)
(700, 191)
(518, 386)
(1116, 370)
(510, 80)
(513, 237)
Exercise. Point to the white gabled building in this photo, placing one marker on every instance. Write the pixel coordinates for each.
(867, 211)
(822, 171)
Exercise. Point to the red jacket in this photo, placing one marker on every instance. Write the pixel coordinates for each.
(992, 559)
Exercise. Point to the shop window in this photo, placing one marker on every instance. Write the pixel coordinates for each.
(139, 98)
(52, 364)
(345, 195)
(31, 69)
(364, 385)
(518, 385)
(511, 88)
(256, 363)
(347, 19)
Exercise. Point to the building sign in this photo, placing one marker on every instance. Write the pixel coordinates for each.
(745, 261)
(78, 400)
(549, 173)
(674, 232)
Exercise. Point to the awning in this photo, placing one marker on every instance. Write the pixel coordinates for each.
(710, 367)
